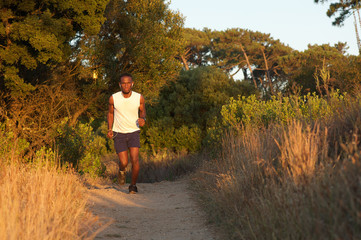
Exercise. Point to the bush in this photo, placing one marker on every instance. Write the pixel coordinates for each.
(189, 107)
(188, 138)
(11, 147)
(163, 135)
(255, 112)
(81, 147)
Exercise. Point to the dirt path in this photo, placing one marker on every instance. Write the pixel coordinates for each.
(163, 210)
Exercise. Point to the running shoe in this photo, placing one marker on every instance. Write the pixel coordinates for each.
(121, 177)
(133, 189)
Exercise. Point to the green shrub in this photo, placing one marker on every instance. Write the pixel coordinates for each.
(11, 147)
(81, 147)
(102, 131)
(162, 135)
(188, 108)
(91, 164)
(279, 109)
(188, 138)
(45, 157)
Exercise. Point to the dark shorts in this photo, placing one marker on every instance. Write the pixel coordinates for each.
(124, 141)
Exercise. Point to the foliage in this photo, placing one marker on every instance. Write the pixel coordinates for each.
(56, 69)
(300, 68)
(11, 147)
(197, 96)
(162, 135)
(252, 111)
(35, 117)
(44, 77)
(197, 44)
(299, 181)
(188, 107)
(255, 54)
(36, 35)
(81, 148)
(343, 8)
(267, 63)
(141, 37)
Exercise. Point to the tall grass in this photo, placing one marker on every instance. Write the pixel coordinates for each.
(42, 202)
(295, 181)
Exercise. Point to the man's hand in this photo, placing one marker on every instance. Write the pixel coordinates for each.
(141, 122)
(110, 134)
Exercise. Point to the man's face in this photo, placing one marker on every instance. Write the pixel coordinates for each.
(126, 84)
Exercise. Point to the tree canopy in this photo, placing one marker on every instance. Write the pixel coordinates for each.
(302, 68)
(340, 10)
(36, 35)
(198, 95)
(255, 54)
(142, 37)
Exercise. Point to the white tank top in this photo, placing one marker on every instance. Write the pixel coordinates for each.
(126, 112)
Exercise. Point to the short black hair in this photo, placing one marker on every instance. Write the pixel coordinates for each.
(125, 75)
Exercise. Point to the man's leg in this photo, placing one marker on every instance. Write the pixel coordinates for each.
(134, 157)
(123, 162)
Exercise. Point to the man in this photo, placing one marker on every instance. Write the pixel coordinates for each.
(126, 114)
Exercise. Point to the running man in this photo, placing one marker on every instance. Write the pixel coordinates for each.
(126, 114)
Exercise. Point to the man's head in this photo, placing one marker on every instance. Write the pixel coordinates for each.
(126, 82)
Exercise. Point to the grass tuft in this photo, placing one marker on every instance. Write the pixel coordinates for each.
(42, 202)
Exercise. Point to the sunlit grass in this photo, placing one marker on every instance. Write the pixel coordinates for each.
(40, 202)
(295, 181)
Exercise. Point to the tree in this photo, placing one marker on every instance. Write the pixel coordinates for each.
(142, 37)
(255, 54)
(36, 35)
(189, 108)
(45, 73)
(357, 24)
(341, 10)
(301, 68)
(197, 48)
(197, 96)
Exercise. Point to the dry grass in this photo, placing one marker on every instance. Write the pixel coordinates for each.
(300, 150)
(281, 183)
(42, 203)
(167, 166)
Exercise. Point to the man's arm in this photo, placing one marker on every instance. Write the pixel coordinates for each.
(142, 112)
(110, 117)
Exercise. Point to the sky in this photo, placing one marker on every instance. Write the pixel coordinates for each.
(295, 23)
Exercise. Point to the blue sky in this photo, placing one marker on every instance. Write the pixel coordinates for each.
(296, 23)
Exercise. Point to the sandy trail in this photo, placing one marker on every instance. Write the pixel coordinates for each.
(163, 210)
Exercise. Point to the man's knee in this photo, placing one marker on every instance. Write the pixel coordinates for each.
(134, 153)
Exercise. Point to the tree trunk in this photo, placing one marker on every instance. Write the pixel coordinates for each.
(268, 78)
(185, 63)
(184, 58)
(356, 29)
(249, 65)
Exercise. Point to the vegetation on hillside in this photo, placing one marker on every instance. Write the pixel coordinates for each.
(283, 139)
(294, 178)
